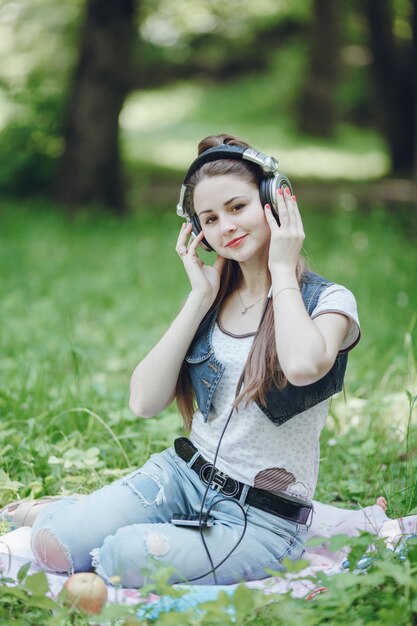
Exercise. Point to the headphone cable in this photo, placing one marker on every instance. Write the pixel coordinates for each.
(205, 515)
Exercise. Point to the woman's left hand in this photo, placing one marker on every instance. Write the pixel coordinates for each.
(287, 237)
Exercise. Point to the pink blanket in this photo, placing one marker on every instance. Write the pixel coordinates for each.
(328, 520)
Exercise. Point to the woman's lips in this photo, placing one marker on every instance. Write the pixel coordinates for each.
(235, 242)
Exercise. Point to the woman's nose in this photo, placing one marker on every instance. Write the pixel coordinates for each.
(227, 225)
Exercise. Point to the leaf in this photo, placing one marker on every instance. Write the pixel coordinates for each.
(16, 592)
(42, 602)
(411, 399)
(53, 460)
(117, 611)
(398, 572)
(23, 572)
(315, 541)
(294, 567)
(337, 542)
(37, 583)
(243, 601)
(6, 484)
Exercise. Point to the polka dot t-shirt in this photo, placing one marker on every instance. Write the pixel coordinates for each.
(254, 450)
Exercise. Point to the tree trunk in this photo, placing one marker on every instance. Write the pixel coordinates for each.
(90, 171)
(317, 110)
(395, 78)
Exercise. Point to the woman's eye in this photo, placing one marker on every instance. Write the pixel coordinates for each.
(237, 207)
(210, 220)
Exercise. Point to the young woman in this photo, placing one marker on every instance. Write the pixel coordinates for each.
(252, 358)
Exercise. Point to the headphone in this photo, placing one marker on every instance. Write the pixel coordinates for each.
(270, 181)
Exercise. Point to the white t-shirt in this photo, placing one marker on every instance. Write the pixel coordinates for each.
(254, 450)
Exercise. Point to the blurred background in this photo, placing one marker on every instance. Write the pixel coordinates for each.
(103, 101)
(102, 104)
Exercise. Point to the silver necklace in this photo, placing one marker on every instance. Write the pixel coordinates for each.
(246, 308)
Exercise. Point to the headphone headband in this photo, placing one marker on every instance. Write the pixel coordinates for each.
(268, 164)
(270, 180)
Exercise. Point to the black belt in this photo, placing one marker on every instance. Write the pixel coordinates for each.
(288, 507)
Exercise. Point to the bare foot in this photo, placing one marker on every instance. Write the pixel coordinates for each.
(24, 512)
(382, 503)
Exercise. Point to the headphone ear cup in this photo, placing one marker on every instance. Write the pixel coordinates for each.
(264, 192)
(282, 182)
(195, 222)
(268, 188)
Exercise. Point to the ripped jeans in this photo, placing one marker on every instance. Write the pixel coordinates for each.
(123, 530)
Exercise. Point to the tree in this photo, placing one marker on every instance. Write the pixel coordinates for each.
(317, 110)
(395, 77)
(90, 169)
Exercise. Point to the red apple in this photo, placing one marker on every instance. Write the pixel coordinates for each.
(86, 591)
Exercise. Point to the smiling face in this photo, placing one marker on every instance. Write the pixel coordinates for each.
(232, 217)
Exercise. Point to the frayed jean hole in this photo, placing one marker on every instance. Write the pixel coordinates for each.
(148, 488)
(50, 552)
(157, 545)
(97, 566)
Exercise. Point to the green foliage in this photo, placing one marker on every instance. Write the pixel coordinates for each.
(29, 602)
(38, 50)
(77, 296)
(161, 127)
(31, 143)
(26, 602)
(84, 300)
(385, 594)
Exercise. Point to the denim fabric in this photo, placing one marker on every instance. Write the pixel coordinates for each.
(123, 529)
(206, 370)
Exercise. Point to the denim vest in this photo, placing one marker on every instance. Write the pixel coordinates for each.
(206, 370)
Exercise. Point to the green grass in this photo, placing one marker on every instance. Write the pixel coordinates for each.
(83, 300)
(162, 126)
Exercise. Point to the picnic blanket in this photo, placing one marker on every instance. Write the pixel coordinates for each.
(327, 521)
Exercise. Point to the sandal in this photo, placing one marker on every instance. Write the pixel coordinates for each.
(21, 513)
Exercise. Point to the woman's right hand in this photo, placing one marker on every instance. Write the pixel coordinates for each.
(204, 279)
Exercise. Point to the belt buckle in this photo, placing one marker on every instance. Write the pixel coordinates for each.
(218, 480)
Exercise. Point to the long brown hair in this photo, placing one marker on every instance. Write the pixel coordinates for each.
(262, 370)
